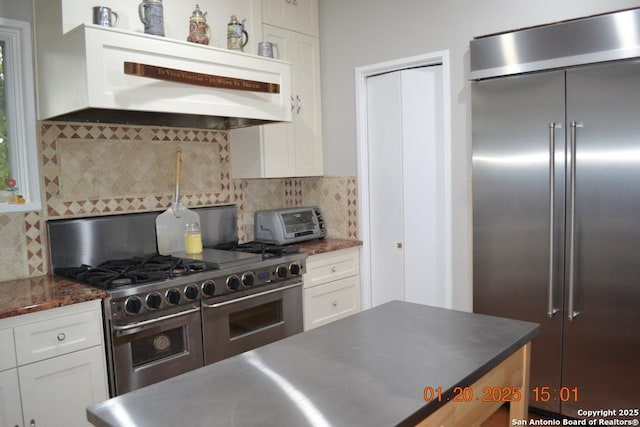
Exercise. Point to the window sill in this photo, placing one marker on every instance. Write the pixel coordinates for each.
(15, 208)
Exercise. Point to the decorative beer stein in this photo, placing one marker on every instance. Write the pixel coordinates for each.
(237, 37)
(151, 15)
(199, 31)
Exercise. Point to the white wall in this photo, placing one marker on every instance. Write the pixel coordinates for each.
(355, 33)
(16, 9)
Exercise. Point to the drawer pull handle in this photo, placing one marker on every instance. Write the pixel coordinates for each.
(334, 269)
(61, 336)
(334, 304)
(32, 423)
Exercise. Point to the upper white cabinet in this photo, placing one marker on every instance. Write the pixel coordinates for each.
(286, 149)
(295, 15)
(52, 366)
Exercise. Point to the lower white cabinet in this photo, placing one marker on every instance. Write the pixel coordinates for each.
(331, 287)
(10, 408)
(59, 368)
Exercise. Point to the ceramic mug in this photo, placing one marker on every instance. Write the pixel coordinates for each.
(104, 16)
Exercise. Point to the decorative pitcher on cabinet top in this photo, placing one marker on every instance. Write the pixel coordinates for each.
(151, 15)
(199, 31)
(237, 37)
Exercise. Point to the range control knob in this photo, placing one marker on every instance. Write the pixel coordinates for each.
(132, 305)
(153, 300)
(173, 296)
(233, 283)
(281, 271)
(248, 279)
(208, 288)
(191, 291)
(295, 268)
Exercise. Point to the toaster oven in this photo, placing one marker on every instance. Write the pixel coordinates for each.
(289, 225)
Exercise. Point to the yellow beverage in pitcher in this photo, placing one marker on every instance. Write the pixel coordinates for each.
(193, 239)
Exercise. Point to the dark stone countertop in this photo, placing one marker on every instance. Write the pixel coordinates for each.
(314, 247)
(33, 294)
(22, 296)
(369, 369)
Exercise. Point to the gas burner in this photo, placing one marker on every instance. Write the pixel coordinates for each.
(136, 270)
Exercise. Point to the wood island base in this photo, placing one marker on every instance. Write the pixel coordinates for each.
(511, 373)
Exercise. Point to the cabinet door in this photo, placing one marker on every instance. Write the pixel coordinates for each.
(7, 349)
(10, 409)
(278, 138)
(296, 15)
(299, 142)
(57, 391)
(307, 109)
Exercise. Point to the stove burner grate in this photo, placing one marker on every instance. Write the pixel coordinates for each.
(267, 250)
(137, 270)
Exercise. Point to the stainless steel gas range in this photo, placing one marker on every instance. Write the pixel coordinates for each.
(166, 315)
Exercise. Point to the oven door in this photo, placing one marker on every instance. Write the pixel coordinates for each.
(241, 324)
(153, 350)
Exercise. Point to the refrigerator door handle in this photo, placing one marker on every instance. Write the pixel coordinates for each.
(573, 313)
(551, 309)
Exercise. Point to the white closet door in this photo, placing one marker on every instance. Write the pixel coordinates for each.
(385, 182)
(407, 224)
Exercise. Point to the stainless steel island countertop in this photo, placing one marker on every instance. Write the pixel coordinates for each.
(369, 369)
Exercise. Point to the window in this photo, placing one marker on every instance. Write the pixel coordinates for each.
(18, 145)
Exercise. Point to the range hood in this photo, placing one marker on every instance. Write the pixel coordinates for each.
(101, 74)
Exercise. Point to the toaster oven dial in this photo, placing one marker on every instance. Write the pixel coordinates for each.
(173, 296)
(191, 291)
(153, 300)
(132, 305)
(281, 271)
(233, 283)
(208, 288)
(248, 279)
(294, 268)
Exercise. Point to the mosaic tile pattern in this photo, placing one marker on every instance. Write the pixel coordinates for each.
(93, 169)
(13, 253)
(97, 169)
(337, 198)
(34, 227)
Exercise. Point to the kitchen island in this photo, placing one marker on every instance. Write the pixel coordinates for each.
(396, 364)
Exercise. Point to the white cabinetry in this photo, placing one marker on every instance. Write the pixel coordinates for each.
(10, 409)
(295, 15)
(286, 149)
(58, 366)
(94, 75)
(331, 287)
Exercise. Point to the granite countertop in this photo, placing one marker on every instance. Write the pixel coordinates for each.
(314, 247)
(33, 294)
(23, 296)
(369, 369)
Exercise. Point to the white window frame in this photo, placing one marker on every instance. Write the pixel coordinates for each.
(21, 116)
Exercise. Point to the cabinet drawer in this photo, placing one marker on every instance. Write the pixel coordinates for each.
(7, 350)
(58, 335)
(332, 301)
(330, 266)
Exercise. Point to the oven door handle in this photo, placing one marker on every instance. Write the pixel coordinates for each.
(248, 297)
(152, 321)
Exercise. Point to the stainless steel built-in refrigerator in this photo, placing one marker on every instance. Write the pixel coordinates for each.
(556, 220)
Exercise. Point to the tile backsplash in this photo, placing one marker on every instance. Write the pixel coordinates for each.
(100, 169)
